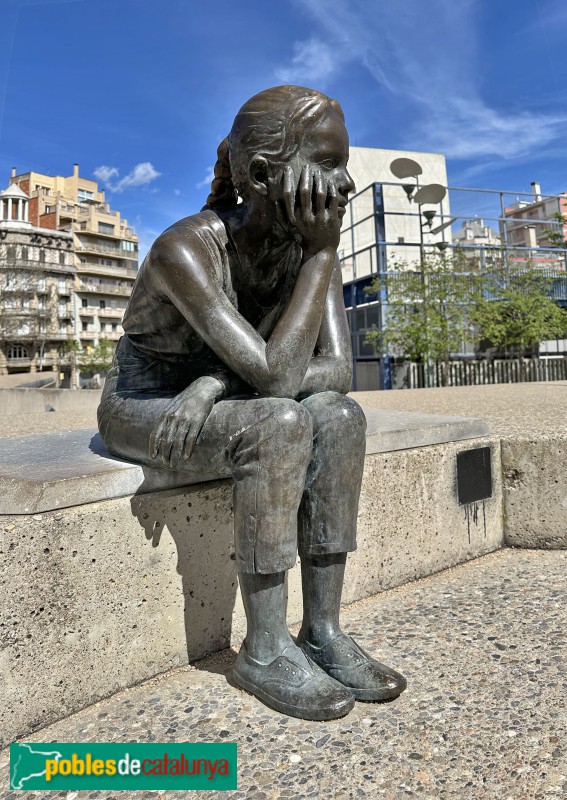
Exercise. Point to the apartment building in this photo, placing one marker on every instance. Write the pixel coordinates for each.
(477, 241)
(526, 226)
(37, 277)
(105, 248)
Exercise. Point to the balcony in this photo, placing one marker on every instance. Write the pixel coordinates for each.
(90, 336)
(114, 313)
(27, 264)
(102, 269)
(36, 337)
(98, 208)
(104, 288)
(117, 252)
(23, 312)
(18, 363)
(67, 212)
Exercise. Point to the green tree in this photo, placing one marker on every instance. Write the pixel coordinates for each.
(515, 311)
(556, 235)
(99, 358)
(427, 308)
(432, 310)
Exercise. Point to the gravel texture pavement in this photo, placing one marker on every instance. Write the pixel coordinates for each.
(512, 408)
(484, 649)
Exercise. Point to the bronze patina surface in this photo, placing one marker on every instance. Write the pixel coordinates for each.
(235, 362)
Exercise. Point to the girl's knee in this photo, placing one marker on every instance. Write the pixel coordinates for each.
(332, 407)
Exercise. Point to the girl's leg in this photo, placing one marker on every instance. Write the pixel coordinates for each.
(265, 444)
(327, 531)
(329, 508)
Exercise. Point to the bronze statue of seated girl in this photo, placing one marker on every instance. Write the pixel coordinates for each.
(236, 362)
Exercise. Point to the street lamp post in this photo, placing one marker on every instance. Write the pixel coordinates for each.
(430, 194)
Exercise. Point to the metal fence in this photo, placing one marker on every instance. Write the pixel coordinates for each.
(480, 372)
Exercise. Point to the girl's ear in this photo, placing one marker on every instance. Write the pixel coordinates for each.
(258, 175)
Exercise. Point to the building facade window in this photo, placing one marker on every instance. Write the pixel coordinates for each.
(105, 227)
(62, 258)
(83, 195)
(84, 302)
(102, 303)
(17, 351)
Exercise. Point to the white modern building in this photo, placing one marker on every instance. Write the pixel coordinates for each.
(380, 210)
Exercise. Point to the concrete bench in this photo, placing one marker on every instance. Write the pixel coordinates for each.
(112, 572)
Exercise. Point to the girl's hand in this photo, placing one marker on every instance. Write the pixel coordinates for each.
(174, 437)
(312, 208)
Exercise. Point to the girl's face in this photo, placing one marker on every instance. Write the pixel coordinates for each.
(325, 148)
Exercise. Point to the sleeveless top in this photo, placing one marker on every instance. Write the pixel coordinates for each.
(155, 326)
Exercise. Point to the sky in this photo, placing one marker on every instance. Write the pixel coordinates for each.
(140, 93)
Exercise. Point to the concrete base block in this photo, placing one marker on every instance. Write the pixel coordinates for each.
(410, 523)
(101, 596)
(33, 400)
(535, 491)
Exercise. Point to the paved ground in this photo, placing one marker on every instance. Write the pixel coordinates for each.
(484, 648)
(515, 408)
(527, 408)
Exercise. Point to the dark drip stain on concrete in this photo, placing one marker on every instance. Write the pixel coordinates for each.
(472, 514)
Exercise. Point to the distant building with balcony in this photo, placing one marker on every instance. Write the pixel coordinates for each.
(477, 241)
(37, 277)
(105, 248)
(527, 225)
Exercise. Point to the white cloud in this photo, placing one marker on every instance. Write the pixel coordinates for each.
(208, 179)
(141, 175)
(105, 174)
(427, 54)
(177, 192)
(314, 62)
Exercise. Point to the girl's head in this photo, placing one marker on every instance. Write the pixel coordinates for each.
(270, 131)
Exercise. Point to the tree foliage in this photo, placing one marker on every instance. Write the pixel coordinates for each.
(556, 235)
(515, 311)
(432, 310)
(427, 309)
(98, 358)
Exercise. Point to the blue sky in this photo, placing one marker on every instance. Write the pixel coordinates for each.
(139, 93)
